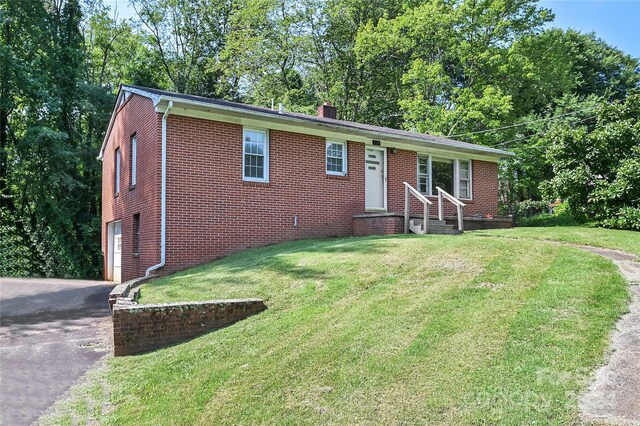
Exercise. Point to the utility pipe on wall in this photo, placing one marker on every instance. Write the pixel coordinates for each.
(163, 194)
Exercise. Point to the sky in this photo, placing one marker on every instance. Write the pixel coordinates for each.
(615, 21)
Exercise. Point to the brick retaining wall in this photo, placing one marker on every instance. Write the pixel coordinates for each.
(143, 328)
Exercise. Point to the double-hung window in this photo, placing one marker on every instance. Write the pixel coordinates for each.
(464, 178)
(116, 181)
(134, 161)
(423, 174)
(336, 158)
(255, 155)
(452, 175)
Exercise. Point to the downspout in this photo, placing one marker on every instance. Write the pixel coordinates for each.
(163, 194)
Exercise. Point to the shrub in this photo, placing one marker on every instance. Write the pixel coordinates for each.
(597, 166)
(626, 218)
(528, 208)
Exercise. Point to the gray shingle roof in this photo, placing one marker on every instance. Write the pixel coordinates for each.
(438, 140)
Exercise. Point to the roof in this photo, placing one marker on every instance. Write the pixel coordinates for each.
(157, 96)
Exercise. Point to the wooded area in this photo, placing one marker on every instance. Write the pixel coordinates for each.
(480, 71)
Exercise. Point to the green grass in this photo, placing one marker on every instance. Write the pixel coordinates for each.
(84, 403)
(439, 330)
(546, 219)
(628, 241)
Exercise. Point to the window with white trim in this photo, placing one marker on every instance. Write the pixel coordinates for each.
(255, 155)
(454, 176)
(464, 179)
(423, 174)
(336, 158)
(134, 160)
(116, 181)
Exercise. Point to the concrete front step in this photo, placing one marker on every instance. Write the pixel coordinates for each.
(431, 221)
(435, 227)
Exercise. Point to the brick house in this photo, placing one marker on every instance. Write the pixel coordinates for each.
(188, 179)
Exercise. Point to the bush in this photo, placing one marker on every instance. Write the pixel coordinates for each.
(626, 218)
(528, 208)
(546, 219)
(15, 256)
(596, 166)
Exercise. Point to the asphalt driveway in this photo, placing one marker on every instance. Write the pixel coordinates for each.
(51, 332)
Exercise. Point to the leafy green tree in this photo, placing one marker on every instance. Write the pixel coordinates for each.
(51, 186)
(360, 91)
(265, 51)
(187, 38)
(522, 175)
(115, 49)
(596, 165)
(542, 68)
(444, 60)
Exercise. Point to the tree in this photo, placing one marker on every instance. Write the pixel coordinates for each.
(188, 37)
(444, 61)
(51, 196)
(596, 165)
(544, 67)
(358, 90)
(265, 53)
(115, 50)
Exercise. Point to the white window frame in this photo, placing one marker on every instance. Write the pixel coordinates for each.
(118, 166)
(456, 175)
(344, 157)
(134, 160)
(266, 155)
(457, 186)
(428, 175)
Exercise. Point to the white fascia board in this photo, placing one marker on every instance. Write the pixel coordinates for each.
(240, 116)
(119, 100)
(111, 120)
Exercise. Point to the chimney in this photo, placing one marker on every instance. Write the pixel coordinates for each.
(327, 111)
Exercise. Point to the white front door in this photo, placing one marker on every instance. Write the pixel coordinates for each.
(117, 252)
(374, 179)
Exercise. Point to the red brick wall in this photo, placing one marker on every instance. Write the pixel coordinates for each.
(137, 116)
(484, 189)
(211, 212)
(378, 225)
(143, 328)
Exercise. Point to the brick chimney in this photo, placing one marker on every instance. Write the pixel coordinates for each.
(327, 111)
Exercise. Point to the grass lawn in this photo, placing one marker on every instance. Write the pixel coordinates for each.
(470, 329)
(628, 241)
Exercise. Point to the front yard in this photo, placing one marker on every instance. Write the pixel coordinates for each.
(471, 329)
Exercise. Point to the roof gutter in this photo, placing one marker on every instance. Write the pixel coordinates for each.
(163, 195)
